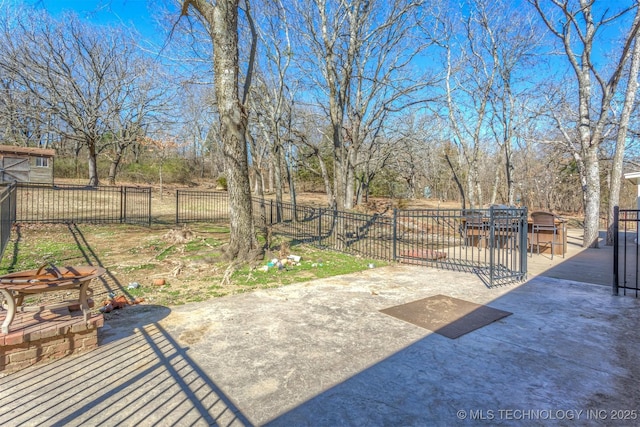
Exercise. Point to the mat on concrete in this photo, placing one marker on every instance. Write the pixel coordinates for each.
(445, 315)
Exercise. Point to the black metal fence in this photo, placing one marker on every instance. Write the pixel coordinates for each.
(82, 204)
(626, 251)
(201, 206)
(7, 214)
(490, 242)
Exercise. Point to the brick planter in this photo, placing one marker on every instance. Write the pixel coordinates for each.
(44, 336)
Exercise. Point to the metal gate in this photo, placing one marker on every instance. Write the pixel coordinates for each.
(136, 205)
(626, 251)
(489, 242)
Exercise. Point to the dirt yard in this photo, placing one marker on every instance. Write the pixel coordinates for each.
(165, 264)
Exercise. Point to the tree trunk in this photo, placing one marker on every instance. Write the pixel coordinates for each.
(349, 191)
(326, 179)
(93, 165)
(233, 125)
(277, 165)
(113, 168)
(496, 183)
(263, 210)
(76, 162)
(511, 190)
(292, 188)
(457, 181)
(471, 188)
(339, 164)
(223, 22)
(618, 157)
(592, 198)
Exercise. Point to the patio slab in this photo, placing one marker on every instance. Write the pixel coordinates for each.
(322, 353)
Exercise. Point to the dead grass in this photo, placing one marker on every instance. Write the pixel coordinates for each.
(188, 259)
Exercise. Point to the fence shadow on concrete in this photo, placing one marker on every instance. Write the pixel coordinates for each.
(588, 265)
(140, 375)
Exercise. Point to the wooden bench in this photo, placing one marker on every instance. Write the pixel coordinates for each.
(15, 286)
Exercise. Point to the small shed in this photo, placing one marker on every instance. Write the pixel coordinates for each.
(26, 164)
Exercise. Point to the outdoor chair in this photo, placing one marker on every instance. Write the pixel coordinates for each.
(544, 221)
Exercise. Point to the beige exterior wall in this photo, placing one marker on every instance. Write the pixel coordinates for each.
(21, 167)
(40, 174)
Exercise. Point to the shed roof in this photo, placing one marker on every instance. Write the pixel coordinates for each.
(14, 149)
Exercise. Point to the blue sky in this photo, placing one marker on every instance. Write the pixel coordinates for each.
(130, 13)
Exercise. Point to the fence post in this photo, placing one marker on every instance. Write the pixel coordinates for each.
(492, 245)
(177, 206)
(271, 222)
(524, 240)
(320, 224)
(395, 233)
(123, 205)
(149, 207)
(616, 217)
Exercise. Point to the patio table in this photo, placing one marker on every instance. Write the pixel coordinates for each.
(15, 286)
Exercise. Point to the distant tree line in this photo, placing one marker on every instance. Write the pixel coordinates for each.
(485, 102)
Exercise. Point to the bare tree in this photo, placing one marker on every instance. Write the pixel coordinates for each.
(360, 53)
(469, 84)
(141, 106)
(273, 94)
(312, 143)
(574, 24)
(512, 41)
(24, 121)
(621, 138)
(84, 78)
(21, 115)
(221, 19)
(196, 124)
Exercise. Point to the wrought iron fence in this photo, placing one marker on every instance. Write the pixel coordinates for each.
(82, 204)
(490, 242)
(135, 205)
(7, 214)
(626, 251)
(199, 206)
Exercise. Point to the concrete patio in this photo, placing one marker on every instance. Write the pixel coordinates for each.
(321, 353)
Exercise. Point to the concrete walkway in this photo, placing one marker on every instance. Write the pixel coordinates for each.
(322, 354)
(579, 264)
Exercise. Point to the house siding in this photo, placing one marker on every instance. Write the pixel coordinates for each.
(20, 164)
(39, 174)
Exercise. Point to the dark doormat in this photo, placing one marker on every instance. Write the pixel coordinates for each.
(445, 315)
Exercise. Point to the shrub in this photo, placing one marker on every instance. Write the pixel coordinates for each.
(221, 182)
(177, 171)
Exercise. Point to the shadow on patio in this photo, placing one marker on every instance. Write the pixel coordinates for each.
(567, 353)
(138, 376)
(322, 353)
